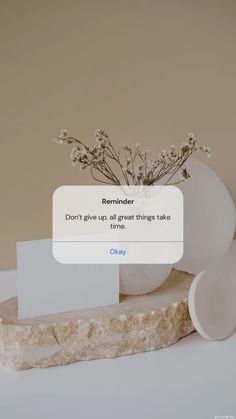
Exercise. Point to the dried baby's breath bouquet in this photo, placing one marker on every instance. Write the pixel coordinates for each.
(130, 166)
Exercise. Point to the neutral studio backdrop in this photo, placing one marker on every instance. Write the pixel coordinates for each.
(148, 71)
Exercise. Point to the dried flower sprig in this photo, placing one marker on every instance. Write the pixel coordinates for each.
(130, 166)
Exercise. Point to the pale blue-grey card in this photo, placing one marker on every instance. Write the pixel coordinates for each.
(46, 286)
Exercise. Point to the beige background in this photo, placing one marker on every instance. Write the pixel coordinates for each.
(147, 71)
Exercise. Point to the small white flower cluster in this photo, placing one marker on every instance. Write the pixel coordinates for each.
(62, 138)
(132, 166)
(102, 138)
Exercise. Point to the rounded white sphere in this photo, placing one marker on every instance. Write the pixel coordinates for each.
(209, 218)
(142, 279)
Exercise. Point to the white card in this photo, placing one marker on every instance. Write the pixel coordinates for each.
(46, 286)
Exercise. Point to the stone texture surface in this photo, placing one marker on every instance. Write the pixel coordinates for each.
(137, 324)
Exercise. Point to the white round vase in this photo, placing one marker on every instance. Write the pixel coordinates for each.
(209, 218)
(142, 279)
(209, 226)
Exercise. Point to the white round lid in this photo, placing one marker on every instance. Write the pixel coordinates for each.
(212, 304)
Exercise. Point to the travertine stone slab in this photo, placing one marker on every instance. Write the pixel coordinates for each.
(137, 324)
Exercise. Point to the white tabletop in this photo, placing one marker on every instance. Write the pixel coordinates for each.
(193, 379)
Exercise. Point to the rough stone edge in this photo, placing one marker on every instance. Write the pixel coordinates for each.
(41, 346)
